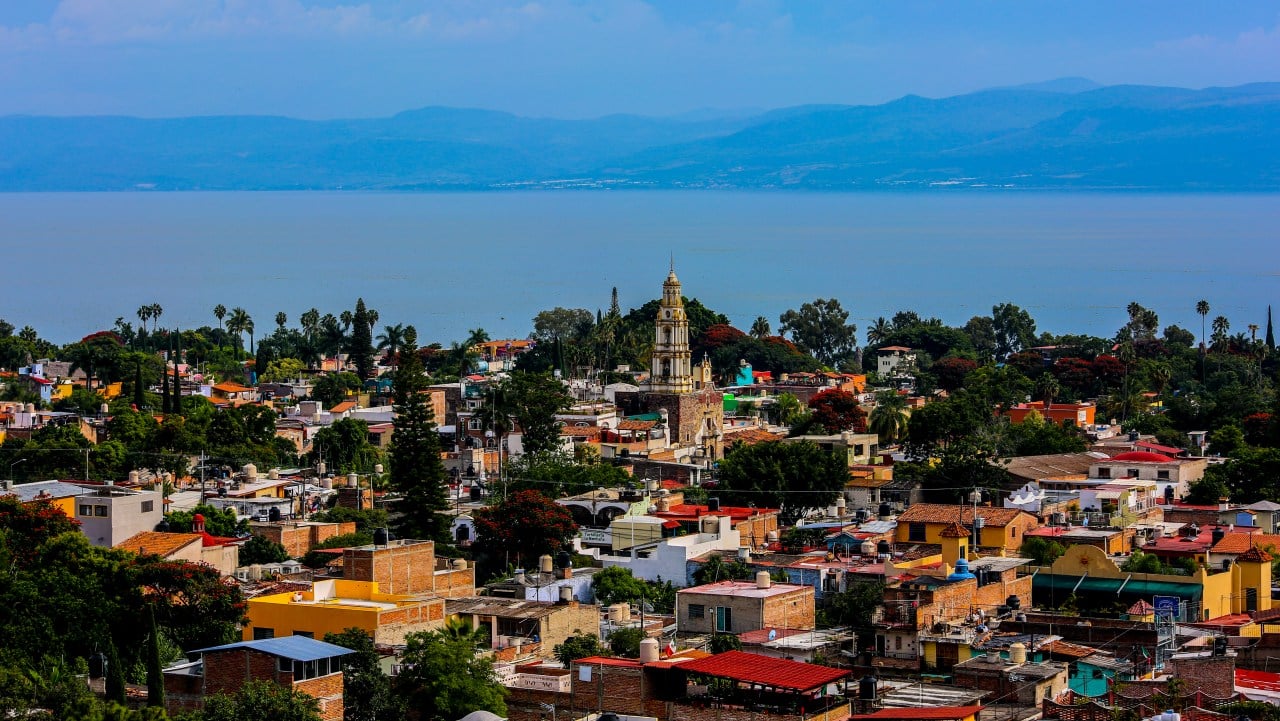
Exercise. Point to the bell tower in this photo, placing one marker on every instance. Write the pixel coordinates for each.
(671, 368)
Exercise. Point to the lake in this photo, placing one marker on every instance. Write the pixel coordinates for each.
(446, 262)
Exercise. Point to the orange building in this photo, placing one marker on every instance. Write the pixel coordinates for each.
(1078, 414)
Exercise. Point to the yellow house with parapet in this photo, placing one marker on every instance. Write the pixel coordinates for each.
(1001, 529)
(1086, 572)
(333, 605)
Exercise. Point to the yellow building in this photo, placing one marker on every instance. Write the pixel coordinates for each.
(334, 605)
(1003, 529)
(59, 494)
(1085, 571)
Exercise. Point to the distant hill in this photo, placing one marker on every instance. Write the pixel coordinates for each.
(1067, 133)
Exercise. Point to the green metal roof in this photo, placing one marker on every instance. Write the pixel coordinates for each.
(1135, 587)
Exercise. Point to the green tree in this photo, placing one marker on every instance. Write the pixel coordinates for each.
(155, 672)
(723, 642)
(238, 324)
(615, 584)
(260, 549)
(443, 679)
(1042, 552)
(533, 400)
(788, 410)
(361, 348)
(791, 476)
(217, 521)
(822, 329)
(332, 388)
(557, 474)
(366, 690)
(1013, 327)
(760, 328)
(888, 419)
(391, 339)
(260, 700)
(625, 642)
(344, 445)
(283, 369)
(583, 645)
(856, 606)
(714, 570)
(416, 472)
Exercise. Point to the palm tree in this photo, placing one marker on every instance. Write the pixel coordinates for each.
(281, 319)
(458, 628)
(1160, 376)
(879, 331)
(219, 312)
(1220, 327)
(1047, 387)
(391, 338)
(1202, 308)
(311, 322)
(346, 317)
(476, 336)
(372, 315)
(144, 315)
(1127, 355)
(332, 338)
(760, 328)
(156, 312)
(238, 324)
(889, 418)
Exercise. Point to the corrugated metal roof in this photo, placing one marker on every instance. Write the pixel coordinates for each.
(296, 648)
(764, 670)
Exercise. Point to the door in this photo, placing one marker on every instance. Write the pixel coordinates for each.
(724, 619)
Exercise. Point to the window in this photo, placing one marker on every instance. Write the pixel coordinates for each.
(697, 610)
(86, 510)
(1097, 673)
(1104, 473)
(916, 532)
(724, 619)
(148, 506)
(306, 634)
(261, 632)
(1133, 472)
(100, 511)
(284, 665)
(897, 643)
(1162, 475)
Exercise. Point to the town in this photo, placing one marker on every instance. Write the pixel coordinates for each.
(647, 515)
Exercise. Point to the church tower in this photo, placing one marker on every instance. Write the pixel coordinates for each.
(671, 369)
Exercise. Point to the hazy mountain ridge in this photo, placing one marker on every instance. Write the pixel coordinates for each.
(1025, 137)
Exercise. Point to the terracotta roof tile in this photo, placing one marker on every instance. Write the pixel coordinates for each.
(934, 713)
(1254, 555)
(766, 671)
(941, 513)
(158, 543)
(1241, 542)
(629, 425)
(954, 530)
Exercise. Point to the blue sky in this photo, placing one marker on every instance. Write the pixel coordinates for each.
(567, 58)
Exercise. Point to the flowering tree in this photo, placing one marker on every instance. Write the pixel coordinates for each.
(836, 410)
(525, 526)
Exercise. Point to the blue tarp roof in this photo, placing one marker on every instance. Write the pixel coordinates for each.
(295, 648)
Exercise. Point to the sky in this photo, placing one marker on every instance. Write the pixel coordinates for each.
(571, 59)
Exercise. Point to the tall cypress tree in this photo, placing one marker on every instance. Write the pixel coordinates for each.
(361, 349)
(139, 400)
(416, 470)
(155, 672)
(176, 404)
(1271, 334)
(164, 387)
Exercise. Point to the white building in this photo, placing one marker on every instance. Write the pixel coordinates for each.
(669, 558)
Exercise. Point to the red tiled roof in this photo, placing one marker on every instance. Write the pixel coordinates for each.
(1141, 608)
(954, 530)
(343, 407)
(1157, 448)
(609, 661)
(231, 387)
(581, 431)
(1257, 680)
(895, 347)
(936, 713)
(1240, 542)
(751, 436)
(941, 513)
(766, 671)
(1143, 457)
(158, 543)
(1254, 555)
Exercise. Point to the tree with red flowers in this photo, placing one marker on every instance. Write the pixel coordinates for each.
(951, 372)
(836, 410)
(29, 525)
(523, 527)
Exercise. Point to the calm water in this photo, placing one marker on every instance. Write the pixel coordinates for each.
(72, 262)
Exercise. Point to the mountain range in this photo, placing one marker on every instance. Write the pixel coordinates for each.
(1064, 134)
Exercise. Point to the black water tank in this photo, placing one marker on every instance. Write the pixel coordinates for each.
(713, 505)
(98, 665)
(163, 525)
(381, 537)
(1218, 534)
(607, 716)
(564, 560)
(1168, 494)
(1013, 602)
(475, 493)
(883, 547)
(886, 510)
(273, 514)
(867, 688)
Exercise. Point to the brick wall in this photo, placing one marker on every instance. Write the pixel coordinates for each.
(404, 567)
(298, 539)
(569, 619)
(327, 690)
(794, 610)
(395, 624)
(454, 583)
(686, 412)
(790, 610)
(754, 530)
(1213, 675)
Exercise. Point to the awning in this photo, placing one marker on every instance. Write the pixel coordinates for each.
(1140, 588)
